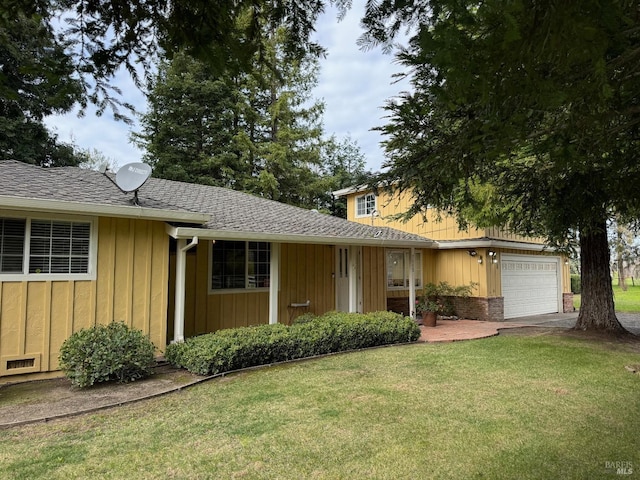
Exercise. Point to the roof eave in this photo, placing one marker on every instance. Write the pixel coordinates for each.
(491, 243)
(61, 206)
(209, 234)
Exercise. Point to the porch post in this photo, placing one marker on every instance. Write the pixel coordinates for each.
(412, 284)
(274, 282)
(181, 268)
(353, 279)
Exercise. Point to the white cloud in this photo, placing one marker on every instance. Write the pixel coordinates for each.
(354, 85)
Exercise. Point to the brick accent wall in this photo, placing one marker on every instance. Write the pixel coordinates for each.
(398, 305)
(471, 308)
(567, 302)
(480, 308)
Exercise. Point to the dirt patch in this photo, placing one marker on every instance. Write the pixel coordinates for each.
(47, 399)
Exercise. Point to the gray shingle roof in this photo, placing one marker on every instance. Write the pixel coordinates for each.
(229, 211)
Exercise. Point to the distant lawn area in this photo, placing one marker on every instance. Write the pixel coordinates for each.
(628, 302)
(543, 406)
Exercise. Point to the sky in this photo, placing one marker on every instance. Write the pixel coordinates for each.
(353, 84)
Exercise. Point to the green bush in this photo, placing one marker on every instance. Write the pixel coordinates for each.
(106, 352)
(238, 348)
(576, 283)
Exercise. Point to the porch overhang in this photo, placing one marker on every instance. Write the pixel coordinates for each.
(210, 234)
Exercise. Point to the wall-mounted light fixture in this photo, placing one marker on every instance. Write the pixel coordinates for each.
(493, 255)
(472, 252)
(480, 259)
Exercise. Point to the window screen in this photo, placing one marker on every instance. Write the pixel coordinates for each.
(59, 247)
(12, 232)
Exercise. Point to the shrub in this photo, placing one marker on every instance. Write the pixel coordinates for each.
(438, 298)
(576, 283)
(106, 352)
(233, 349)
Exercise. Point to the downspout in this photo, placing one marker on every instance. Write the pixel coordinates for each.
(181, 269)
(412, 284)
(274, 283)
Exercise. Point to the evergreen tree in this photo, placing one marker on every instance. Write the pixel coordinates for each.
(189, 129)
(36, 80)
(523, 114)
(257, 131)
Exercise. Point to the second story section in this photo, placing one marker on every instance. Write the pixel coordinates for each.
(382, 209)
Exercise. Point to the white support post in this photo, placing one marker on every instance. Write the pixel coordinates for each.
(412, 284)
(353, 279)
(274, 283)
(181, 269)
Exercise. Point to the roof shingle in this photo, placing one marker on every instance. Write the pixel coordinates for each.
(229, 211)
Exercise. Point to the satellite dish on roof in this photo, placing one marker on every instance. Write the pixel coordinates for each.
(132, 176)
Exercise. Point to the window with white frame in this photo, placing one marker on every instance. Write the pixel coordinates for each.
(365, 205)
(398, 269)
(240, 265)
(44, 246)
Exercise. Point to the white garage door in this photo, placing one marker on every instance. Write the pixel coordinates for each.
(530, 285)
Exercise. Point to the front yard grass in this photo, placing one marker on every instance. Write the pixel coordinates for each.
(626, 302)
(526, 407)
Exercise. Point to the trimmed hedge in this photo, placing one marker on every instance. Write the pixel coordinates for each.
(238, 348)
(106, 352)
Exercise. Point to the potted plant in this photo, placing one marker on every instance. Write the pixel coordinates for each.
(436, 299)
(428, 309)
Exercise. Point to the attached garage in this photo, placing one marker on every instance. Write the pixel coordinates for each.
(531, 285)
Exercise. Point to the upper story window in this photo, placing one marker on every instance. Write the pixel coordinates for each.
(365, 205)
(398, 269)
(45, 246)
(240, 265)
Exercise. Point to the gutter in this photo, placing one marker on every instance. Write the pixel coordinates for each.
(206, 234)
(490, 243)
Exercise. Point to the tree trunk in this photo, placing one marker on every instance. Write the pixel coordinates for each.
(597, 310)
(620, 252)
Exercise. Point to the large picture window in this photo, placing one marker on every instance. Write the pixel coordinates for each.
(49, 246)
(398, 265)
(365, 205)
(240, 265)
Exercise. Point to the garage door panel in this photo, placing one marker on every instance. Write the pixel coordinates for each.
(529, 286)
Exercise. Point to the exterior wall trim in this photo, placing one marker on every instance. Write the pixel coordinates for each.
(65, 207)
(490, 243)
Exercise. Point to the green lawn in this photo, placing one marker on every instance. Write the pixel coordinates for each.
(628, 302)
(538, 407)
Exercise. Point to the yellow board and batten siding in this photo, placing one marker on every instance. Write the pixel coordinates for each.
(374, 287)
(307, 272)
(454, 266)
(131, 285)
(429, 225)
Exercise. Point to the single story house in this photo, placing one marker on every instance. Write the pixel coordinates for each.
(172, 259)
(515, 276)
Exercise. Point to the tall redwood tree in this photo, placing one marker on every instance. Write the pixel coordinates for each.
(525, 114)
